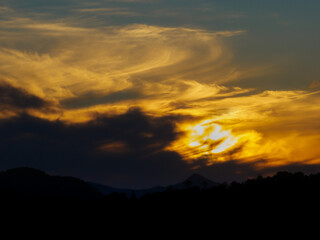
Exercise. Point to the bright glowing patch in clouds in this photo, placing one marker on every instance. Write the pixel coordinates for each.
(205, 139)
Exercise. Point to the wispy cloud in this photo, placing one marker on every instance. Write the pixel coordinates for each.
(154, 61)
(5, 9)
(100, 9)
(315, 85)
(108, 11)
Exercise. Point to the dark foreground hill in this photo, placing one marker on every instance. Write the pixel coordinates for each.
(30, 190)
(34, 183)
(34, 200)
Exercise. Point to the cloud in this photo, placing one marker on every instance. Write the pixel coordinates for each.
(122, 150)
(108, 11)
(16, 100)
(5, 9)
(126, 150)
(86, 67)
(315, 85)
(87, 71)
(19, 98)
(91, 99)
(280, 127)
(99, 9)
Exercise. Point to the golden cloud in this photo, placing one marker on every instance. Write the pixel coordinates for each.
(162, 70)
(65, 63)
(280, 127)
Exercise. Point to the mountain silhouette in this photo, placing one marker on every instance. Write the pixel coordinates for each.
(29, 181)
(195, 180)
(107, 190)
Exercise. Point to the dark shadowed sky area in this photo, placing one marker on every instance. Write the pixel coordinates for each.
(138, 93)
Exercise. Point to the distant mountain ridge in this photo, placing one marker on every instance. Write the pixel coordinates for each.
(107, 190)
(31, 181)
(195, 180)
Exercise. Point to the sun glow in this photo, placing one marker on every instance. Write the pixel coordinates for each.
(205, 139)
(212, 137)
(208, 142)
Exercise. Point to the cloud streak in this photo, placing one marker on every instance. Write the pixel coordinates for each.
(15, 101)
(19, 98)
(101, 64)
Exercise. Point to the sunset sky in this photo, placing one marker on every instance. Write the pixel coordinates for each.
(138, 93)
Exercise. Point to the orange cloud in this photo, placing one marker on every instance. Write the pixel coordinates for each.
(280, 127)
(86, 71)
(63, 63)
(314, 85)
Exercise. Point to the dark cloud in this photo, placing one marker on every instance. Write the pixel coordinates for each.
(16, 98)
(124, 150)
(91, 99)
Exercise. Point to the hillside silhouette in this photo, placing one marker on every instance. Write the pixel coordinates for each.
(35, 183)
(33, 190)
(284, 188)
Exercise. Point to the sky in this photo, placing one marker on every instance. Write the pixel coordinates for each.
(139, 93)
